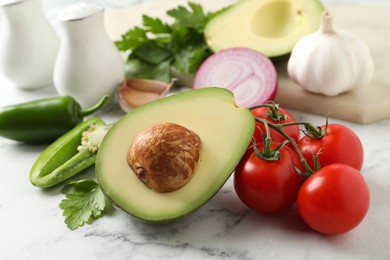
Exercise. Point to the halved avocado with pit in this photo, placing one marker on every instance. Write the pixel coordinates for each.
(224, 129)
(271, 27)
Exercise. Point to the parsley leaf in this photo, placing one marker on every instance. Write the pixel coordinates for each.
(156, 46)
(193, 18)
(189, 59)
(132, 39)
(152, 52)
(155, 25)
(84, 202)
(137, 68)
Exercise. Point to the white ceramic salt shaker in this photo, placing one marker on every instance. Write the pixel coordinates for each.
(88, 65)
(28, 44)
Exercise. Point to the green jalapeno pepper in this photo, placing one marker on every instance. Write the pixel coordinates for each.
(43, 120)
(70, 154)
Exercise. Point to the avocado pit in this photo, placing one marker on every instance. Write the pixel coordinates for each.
(165, 156)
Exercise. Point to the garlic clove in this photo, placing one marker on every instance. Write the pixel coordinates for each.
(136, 92)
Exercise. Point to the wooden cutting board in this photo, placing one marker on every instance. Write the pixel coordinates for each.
(370, 22)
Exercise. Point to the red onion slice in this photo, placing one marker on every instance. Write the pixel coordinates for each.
(249, 74)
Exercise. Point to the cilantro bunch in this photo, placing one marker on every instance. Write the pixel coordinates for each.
(156, 47)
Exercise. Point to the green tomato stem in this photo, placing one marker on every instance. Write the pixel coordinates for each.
(268, 153)
(272, 111)
(279, 128)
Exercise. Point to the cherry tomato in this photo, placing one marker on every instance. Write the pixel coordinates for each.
(334, 199)
(339, 145)
(261, 112)
(268, 186)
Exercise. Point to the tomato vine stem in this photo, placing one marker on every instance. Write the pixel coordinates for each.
(279, 128)
(268, 153)
(315, 132)
(272, 111)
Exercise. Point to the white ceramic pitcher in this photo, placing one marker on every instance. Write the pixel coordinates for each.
(88, 65)
(28, 44)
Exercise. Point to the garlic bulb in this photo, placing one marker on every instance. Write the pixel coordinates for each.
(330, 61)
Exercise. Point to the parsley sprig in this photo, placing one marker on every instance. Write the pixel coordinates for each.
(155, 47)
(84, 202)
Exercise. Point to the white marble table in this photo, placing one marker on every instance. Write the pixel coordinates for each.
(32, 227)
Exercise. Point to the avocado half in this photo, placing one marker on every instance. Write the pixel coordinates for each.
(225, 131)
(271, 27)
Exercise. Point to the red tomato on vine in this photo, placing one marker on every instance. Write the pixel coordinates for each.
(339, 144)
(268, 186)
(334, 200)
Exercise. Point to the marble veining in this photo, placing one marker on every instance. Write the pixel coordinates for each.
(32, 225)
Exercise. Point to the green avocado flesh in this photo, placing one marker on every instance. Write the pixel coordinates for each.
(225, 131)
(271, 27)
